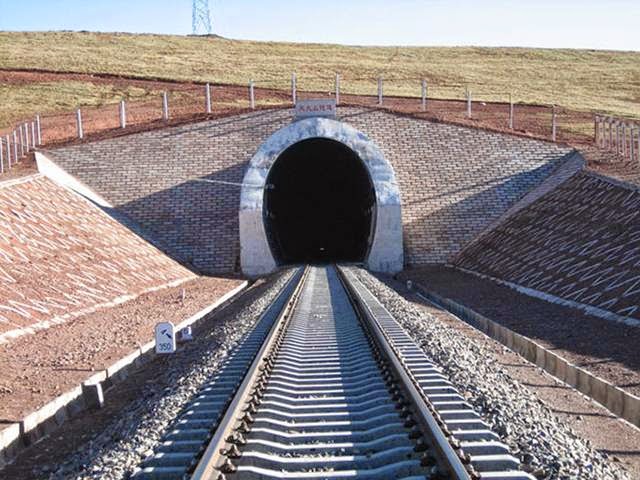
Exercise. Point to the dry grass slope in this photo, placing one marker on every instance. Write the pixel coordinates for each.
(578, 79)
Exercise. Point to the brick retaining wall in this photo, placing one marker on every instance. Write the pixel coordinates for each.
(454, 181)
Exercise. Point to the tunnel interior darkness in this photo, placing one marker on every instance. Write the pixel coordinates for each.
(319, 204)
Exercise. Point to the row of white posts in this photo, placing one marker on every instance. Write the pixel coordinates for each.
(294, 97)
(619, 136)
(23, 139)
(423, 96)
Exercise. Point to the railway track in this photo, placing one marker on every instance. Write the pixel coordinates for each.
(328, 385)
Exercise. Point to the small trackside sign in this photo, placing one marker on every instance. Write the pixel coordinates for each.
(165, 338)
(316, 108)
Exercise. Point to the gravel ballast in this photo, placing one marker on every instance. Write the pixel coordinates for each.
(547, 448)
(133, 434)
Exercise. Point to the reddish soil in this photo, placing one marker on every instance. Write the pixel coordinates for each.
(606, 432)
(34, 369)
(604, 348)
(82, 430)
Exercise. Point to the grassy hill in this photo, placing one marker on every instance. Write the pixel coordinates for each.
(578, 79)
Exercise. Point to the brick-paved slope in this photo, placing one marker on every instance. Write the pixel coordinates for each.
(60, 256)
(580, 242)
(454, 180)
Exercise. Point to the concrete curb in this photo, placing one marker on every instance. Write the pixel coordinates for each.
(89, 394)
(617, 401)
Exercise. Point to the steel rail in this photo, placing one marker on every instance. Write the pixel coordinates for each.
(211, 461)
(453, 462)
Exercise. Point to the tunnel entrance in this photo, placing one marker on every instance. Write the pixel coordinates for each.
(320, 203)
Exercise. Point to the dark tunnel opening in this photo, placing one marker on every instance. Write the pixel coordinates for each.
(320, 204)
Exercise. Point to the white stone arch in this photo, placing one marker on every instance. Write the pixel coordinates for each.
(385, 252)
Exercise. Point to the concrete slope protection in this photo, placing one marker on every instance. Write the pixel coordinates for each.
(61, 257)
(578, 244)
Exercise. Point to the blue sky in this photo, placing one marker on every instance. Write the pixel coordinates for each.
(602, 24)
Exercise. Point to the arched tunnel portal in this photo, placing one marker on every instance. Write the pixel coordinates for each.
(318, 190)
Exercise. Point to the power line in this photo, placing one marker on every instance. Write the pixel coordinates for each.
(201, 18)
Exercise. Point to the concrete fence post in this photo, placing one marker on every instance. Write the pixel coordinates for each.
(632, 146)
(8, 141)
(638, 145)
(207, 98)
(610, 145)
(596, 137)
(15, 147)
(294, 88)
(21, 137)
(123, 114)
(553, 123)
(38, 130)
(618, 138)
(79, 124)
(624, 139)
(165, 106)
(337, 89)
(468, 95)
(424, 95)
(252, 96)
(379, 90)
(2, 155)
(511, 111)
(33, 135)
(25, 127)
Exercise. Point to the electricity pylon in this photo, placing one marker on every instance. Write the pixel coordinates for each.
(201, 20)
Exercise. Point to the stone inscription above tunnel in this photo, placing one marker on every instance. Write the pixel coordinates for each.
(453, 181)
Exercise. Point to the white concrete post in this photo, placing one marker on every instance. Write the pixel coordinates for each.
(379, 90)
(610, 145)
(207, 98)
(8, 140)
(165, 106)
(2, 156)
(553, 123)
(33, 135)
(252, 97)
(79, 124)
(623, 132)
(294, 88)
(38, 130)
(511, 111)
(638, 145)
(21, 137)
(15, 147)
(25, 126)
(424, 95)
(337, 89)
(632, 152)
(468, 94)
(618, 138)
(123, 114)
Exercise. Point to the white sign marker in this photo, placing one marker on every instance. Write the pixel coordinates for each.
(316, 108)
(165, 338)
